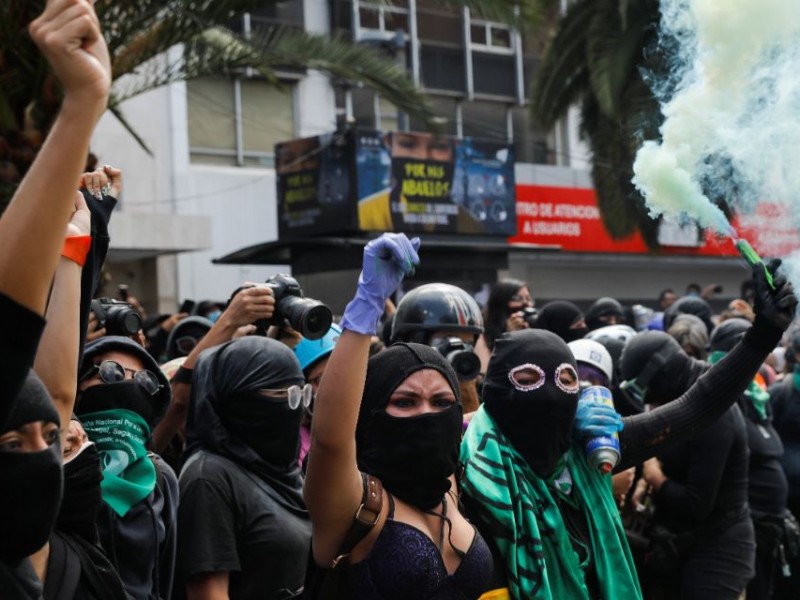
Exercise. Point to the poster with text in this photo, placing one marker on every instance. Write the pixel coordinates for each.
(417, 182)
(314, 190)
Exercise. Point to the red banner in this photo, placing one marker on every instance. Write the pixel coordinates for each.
(569, 219)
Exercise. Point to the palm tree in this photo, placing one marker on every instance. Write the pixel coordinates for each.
(140, 33)
(597, 58)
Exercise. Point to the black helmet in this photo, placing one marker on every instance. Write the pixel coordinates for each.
(603, 307)
(432, 307)
(693, 305)
(727, 334)
(643, 358)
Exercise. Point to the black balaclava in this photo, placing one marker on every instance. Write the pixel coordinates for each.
(32, 481)
(657, 358)
(558, 317)
(228, 416)
(536, 418)
(692, 305)
(125, 394)
(727, 334)
(413, 456)
(82, 496)
(603, 307)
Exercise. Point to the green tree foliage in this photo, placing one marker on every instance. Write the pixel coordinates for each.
(156, 42)
(595, 60)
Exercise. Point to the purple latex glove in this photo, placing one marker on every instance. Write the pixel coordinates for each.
(387, 260)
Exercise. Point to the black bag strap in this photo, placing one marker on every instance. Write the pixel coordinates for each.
(365, 518)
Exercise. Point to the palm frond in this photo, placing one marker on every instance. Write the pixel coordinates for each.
(287, 48)
(114, 108)
(563, 74)
(521, 14)
(613, 50)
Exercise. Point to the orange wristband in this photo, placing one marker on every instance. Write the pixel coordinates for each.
(76, 247)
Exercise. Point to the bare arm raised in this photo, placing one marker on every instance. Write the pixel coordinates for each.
(333, 486)
(32, 228)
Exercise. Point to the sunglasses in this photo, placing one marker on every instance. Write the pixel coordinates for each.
(295, 395)
(111, 371)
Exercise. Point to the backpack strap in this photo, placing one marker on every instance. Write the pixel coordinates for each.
(365, 519)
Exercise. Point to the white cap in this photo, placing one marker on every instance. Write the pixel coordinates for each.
(618, 332)
(593, 353)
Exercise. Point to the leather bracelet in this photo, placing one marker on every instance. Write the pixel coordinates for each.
(76, 248)
(182, 375)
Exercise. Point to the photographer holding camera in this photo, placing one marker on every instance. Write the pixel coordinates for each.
(510, 307)
(447, 318)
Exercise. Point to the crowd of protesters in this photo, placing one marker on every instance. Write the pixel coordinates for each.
(431, 450)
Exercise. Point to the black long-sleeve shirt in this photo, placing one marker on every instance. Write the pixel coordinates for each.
(706, 475)
(645, 435)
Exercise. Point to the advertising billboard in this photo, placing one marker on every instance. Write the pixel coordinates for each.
(417, 182)
(314, 189)
(568, 218)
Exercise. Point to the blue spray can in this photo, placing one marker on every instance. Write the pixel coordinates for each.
(602, 452)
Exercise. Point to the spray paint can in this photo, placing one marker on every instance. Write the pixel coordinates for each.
(602, 452)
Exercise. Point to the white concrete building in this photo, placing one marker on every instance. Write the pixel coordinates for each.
(209, 186)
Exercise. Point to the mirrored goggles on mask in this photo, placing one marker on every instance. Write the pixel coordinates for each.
(294, 394)
(529, 377)
(110, 371)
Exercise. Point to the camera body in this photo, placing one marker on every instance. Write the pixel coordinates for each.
(460, 355)
(310, 317)
(118, 318)
(529, 314)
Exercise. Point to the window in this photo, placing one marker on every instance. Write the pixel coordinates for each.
(485, 120)
(370, 111)
(493, 59)
(237, 122)
(441, 47)
(487, 36)
(386, 18)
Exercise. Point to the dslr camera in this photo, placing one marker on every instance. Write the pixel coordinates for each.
(310, 317)
(460, 355)
(529, 314)
(118, 318)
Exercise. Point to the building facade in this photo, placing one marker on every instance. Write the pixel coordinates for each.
(211, 173)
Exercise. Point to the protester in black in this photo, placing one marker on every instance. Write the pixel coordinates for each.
(767, 485)
(245, 531)
(509, 299)
(700, 486)
(30, 469)
(122, 394)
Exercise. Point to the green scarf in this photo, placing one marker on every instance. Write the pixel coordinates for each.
(796, 379)
(758, 397)
(128, 473)
(519, 510)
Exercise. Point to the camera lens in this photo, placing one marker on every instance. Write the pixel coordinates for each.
(466, 364)
(310, 317)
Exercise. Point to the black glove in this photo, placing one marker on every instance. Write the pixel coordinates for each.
(774, 308)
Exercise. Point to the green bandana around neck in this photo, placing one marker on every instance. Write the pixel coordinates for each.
(796, 378)
(129, 474)
(758, 397)
(522, 516)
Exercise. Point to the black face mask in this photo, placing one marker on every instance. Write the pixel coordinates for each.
(32, 483)
(412, 456)
(267, 425)
(537, 416)
(415, 456)
(127, 395)
(82, 498)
